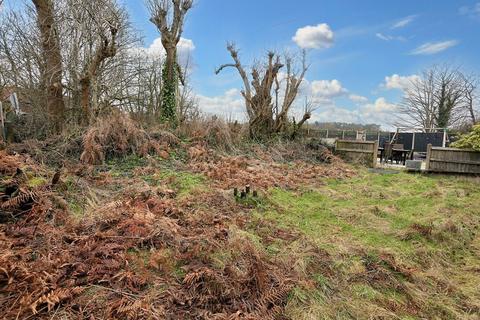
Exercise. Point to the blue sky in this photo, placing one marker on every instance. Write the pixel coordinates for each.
(352, 47)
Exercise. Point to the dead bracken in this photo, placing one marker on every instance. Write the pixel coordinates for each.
(149, 254)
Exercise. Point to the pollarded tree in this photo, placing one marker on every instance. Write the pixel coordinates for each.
(169, 16)
(52, 60)
(96, 37)
(263, 92)
(106, 48)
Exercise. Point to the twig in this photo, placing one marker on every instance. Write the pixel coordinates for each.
(131, 295)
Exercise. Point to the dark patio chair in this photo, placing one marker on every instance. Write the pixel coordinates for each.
(387, 152)
(397, 156)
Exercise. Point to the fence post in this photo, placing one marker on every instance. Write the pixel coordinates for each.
(375, 154)
(429, 156)
(444, 143)
(2, 120)
(327, 134)
(343, 134)
(413, 142)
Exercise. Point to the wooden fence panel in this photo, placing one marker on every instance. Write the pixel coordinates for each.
(452, 160)
(364, 152)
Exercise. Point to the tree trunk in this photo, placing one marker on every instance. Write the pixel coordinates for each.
(85, 99)
(169, 87)
(470, 107)
(52, 75)
(170, 63)
(472, 115)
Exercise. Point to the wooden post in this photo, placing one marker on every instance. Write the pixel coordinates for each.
(444, 143)
(327, 134)
(2, 121)
(429, 156)
(413, 142)
(343, 134)
(378, 137)
(375, 154)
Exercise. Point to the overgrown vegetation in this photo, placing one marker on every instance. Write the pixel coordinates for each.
(141, 237)
(117, 135)
(119, 200)
(470, 140)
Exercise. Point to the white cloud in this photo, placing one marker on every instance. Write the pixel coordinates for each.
(380, 112)
(386, 37)
(380, 106)
(383, 37)
(322, 93)
(327, 88)
(434, 47)
(229, 105)
(403, 22)
(400, 82)
(314, 37)
(357, 98)
(184, 48)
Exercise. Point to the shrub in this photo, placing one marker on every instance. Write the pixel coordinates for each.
(470, 140)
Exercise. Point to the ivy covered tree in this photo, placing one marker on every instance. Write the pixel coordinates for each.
(168, 16)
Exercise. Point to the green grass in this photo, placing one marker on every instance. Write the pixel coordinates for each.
(183, 182)
(123, 167)
(382, 213)
(372, 209)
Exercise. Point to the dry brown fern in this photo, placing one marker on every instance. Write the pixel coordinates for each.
(273, 299)
(55, 297)
(22, 198)
(119, 135)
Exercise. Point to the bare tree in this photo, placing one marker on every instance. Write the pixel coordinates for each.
(52, 59)
(187, 104)
(266, 115)
(105, 44)
(96, 37)
(434, 100)
(449, 95)
(308, 108)
(293, 80)
(470, 87)
(168, 16)
(104, 66)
